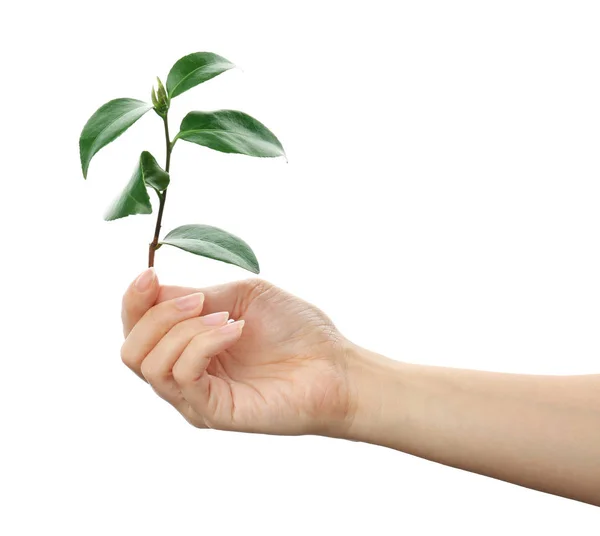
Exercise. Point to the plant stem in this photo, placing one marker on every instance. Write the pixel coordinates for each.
(162, 198)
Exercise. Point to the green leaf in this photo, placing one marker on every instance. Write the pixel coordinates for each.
(107, 124)
(134, 198)
(230, 131)
(213, 243)
(194, 69)
(152, 173)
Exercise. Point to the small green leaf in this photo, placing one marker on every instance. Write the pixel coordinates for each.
(107, 124)
(213, 243)
(152, 173)
(134, 198)
(194, 69)
(230, 131)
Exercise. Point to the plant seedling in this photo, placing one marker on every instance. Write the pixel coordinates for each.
(227, 131)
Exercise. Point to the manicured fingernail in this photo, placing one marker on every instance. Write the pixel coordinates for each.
(187, 303)
(215, 319)
(143, 282)
(231, 330)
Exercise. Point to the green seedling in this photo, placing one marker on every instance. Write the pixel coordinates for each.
(227, 131)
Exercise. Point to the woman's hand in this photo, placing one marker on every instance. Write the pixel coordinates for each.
(285, 369)
(279, 369)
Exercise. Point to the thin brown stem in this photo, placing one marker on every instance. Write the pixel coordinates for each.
(162, 198)
(169, 144)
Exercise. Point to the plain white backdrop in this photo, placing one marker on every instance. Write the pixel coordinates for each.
(441, 204)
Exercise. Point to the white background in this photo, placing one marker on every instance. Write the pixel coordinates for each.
(441, 204)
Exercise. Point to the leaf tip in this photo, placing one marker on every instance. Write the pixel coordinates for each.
(252, 264)
(109, 215)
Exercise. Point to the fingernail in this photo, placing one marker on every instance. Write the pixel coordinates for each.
(187, 303)
(231, 330)
(143, 282)
(215, 319)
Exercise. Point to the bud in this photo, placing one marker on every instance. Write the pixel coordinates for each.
(160, 100)
(162, 94)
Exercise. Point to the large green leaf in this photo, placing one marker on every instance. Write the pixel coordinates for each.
(213, 243)
(230, 131)
(107, 124)
(134, 198)
(194, 69)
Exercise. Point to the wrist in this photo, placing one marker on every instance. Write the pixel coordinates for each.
(376, 396)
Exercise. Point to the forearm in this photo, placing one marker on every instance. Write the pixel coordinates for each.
(541, 432)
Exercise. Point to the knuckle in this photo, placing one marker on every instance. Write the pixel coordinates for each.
(182, 376)
(149, 372)
(183, 370)
(255, 285)
(183, 373)
(126, 355)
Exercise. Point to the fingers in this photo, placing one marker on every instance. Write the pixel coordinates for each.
(157, 367)
(209, 396)
(154, 325)
(139, 297)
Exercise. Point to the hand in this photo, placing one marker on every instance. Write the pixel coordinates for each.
(279, 369)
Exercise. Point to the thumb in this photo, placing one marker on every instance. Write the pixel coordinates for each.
(232, 297)
(138, 298)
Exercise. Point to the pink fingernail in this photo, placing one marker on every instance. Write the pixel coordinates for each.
(143, 282)
(187, 303)
(215, 319)
(231, 330)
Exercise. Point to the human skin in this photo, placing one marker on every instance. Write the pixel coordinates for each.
(283, 368)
